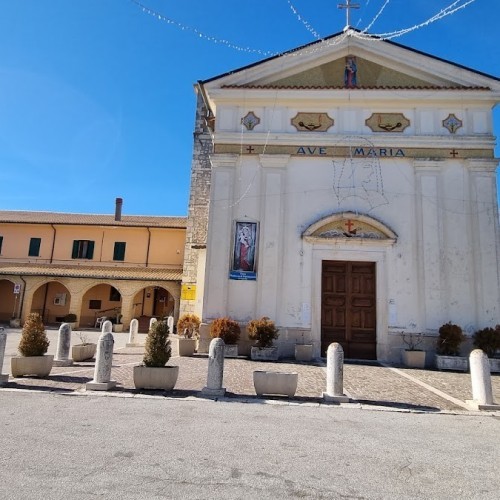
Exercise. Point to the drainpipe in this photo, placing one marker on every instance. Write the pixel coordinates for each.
(53, 244)
(22, 299)
(149, 243)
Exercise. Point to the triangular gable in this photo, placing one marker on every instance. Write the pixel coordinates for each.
(381, 64)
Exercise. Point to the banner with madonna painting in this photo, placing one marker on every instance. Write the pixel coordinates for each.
(244, 253)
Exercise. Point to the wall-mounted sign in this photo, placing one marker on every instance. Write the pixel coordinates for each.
(17, 289)
(188, 292)
(244, 254)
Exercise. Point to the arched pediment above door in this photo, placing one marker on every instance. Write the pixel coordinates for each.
(349, 226)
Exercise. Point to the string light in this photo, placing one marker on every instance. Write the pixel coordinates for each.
(303, 21)
(379, 13)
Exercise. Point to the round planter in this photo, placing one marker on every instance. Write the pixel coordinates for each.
(164, 378)
(82, 352)
(186, 347)
(38, 366)
(279, 383)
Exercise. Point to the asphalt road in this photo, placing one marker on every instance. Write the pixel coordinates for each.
(103, 446)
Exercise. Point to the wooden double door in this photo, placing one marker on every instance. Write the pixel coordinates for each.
(348, 308)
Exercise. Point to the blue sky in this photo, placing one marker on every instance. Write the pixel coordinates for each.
(97, 100)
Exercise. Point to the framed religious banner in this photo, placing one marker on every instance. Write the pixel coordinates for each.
(244, 251)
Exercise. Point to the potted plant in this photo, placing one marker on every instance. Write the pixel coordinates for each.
(413, 357)
(448, 349)
(153, 374)
(188, 328)
(488, 339)
(84, 350)
(118, 325)
(33, 347)
(303, 351)
(15, 322)
(229, 331)
(71, 319)
(264, 332)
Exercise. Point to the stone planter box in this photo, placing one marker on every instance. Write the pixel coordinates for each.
(163, 378)
(275, 383)
(38, 366)
(414, 359)
(264, 354)
(118, 328)
(15, 323)
(82, 352)
(455, 363)
(231, 351)
(494, 365)
(186, 347)
(303, 352)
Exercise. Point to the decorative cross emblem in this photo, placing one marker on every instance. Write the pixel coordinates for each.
(348, 6)
(454, 153)
(250, 150)
(349, 225)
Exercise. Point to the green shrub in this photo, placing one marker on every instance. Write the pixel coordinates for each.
(188, 326)
(262, 330)
(488, 339)
(226, 329)
(449, 340)
(34, 341)
(157, 349)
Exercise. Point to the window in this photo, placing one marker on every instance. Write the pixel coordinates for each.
(94, 304)
(1, 241)
(34, 250)
(114, 295)
(82, 249)
(119, 252)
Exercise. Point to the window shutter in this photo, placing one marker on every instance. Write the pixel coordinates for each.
(74, 253)
(34, 250)
(90, 250)
(119, 251)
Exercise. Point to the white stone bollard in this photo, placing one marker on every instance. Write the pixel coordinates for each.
(103, 362)
(215, 370)
(134, 330)
(152, 321)
(482, 392)
(63, 346)
(3, 342)
(170, 323)
(335, 374)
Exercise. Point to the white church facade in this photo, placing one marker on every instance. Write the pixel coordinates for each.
(346, 190)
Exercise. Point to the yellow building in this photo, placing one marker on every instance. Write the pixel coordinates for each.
(90, 266)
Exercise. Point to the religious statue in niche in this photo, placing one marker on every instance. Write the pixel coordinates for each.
(452, 123)
(312, 122)
(250, 120)
(350, 72)
(243, 266)
(387, 122)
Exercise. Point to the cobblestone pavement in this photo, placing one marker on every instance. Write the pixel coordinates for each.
(369, 385)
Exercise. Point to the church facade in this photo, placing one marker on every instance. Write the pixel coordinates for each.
(346, 190)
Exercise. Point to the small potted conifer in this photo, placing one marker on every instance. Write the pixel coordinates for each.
(153, 373)
(488, 339)
(264, 332)
(33, 347)
(188, 328)
(449, 341)
(229, 331)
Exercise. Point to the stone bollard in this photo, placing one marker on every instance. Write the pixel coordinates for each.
(170, 323)
(335, 374)
(482, 392)
(152, 321)
(63, 345)
(3, 342)
(215, 370)
(134, 330)
(104, 361)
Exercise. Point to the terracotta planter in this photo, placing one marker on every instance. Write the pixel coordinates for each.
(279, 383)
(38, 366)
(414, 359)
(163, 378)
(186, 347)
(264, 353)
(82, 352)
(303, 352)
(455, 363)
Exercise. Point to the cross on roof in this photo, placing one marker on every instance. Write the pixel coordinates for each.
(348, 6)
